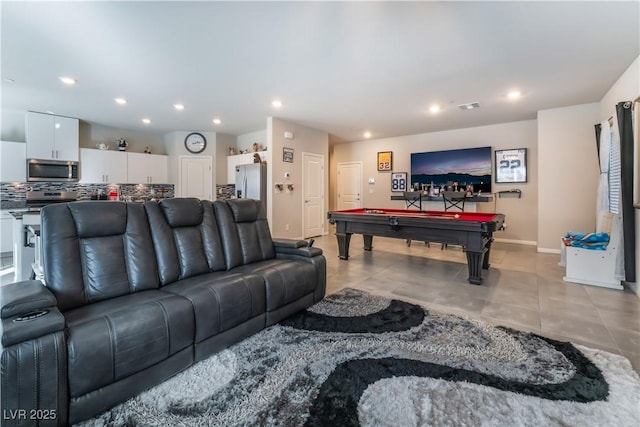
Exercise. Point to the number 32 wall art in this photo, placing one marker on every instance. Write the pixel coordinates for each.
(511, 165)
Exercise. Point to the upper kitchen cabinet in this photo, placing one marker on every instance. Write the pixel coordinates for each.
(13, 158)
(147, 169)
(102, 166)
(52, 137)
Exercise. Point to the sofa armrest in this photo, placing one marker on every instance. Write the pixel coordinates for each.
(295, 247)
(290, 243)
(302, 252)
(23, 297)
(28, 311)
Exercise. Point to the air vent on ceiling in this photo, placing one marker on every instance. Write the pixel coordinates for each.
(469, 106)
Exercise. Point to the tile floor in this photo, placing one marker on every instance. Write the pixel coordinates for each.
(523, 289)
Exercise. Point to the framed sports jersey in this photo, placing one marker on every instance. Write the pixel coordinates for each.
(399, 181)
(385, 161)
(511, 165)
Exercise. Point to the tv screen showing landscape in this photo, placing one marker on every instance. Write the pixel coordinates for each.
(469, 166)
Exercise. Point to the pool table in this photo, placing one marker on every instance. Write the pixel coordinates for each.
(472, 230)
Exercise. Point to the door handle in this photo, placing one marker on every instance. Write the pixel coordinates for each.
(307, 201)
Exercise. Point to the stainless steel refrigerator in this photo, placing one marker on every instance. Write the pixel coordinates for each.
(251, 182)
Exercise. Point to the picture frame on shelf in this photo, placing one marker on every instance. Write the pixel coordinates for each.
(385, 161)
(287, 155)
(511, 165)
(399, 181)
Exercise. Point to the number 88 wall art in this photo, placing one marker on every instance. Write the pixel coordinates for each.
(399, 181)
(511, 165)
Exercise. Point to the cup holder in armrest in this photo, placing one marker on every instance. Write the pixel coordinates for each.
(31, 315)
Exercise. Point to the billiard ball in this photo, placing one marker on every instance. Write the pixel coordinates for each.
(456, 216)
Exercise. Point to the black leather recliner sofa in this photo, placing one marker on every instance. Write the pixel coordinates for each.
(135, 294)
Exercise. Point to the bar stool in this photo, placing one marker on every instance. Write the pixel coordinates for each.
(453, 200)
(413, 199)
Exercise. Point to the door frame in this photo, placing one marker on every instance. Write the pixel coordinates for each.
(213, 192)
(340, 164)
(324, 199)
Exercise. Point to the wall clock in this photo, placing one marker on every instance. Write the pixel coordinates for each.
(195, 142)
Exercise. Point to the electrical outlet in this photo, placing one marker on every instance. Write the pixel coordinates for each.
(286, 227)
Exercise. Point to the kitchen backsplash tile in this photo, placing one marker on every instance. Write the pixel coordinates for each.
(16, 191)
(225, 192)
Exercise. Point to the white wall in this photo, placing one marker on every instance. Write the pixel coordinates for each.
(12, 125)
(223, 142)
(246, 141)
(568, 172)
(92, 134)
(174, 146)
(521, 214)
(286, 207)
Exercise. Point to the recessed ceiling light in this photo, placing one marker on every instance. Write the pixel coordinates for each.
(178, 107)
(276, 103)
(217, 121)
(469, 106)
(146, 121)
(514, 94)
(434, 108)
(67, 80)
(120, 101)
(367, 134)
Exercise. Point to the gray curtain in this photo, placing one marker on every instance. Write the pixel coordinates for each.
(625, 127)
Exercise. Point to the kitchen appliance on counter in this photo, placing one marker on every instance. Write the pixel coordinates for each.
(27, 245)
(251, 182)
(52, 170)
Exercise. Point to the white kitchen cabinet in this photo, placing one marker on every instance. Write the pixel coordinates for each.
(13, 158)
(52, 137)
(6, 232)
(147, 169)
(239, 159)
(103, 166)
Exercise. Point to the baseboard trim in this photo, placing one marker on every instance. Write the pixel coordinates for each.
(549, 251)
(517, 242)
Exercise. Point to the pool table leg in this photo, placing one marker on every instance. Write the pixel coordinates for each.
(474, 261)
(485, 262)
(343, 244)
(368, 241)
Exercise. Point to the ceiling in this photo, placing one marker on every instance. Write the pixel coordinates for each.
(343, 68)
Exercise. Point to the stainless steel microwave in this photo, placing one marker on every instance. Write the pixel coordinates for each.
(52, 170)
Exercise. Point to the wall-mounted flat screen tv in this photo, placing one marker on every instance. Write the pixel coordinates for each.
(468, 166)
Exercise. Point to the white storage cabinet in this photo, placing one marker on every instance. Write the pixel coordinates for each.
(13, 156)
(147, 168)
(6, 232)
(103, 166)
(52, 137)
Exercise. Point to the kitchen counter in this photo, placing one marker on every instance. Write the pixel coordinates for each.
(23, 213)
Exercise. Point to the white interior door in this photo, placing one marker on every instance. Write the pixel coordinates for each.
(313, 210)
(196, 176)
(349, 185)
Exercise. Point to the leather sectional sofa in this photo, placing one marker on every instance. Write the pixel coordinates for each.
(135, 294)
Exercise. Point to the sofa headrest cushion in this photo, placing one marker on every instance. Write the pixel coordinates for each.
(182, 212)
(99, 219)
(244, 210)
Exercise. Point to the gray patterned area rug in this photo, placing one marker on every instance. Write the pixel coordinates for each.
(359, 359)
